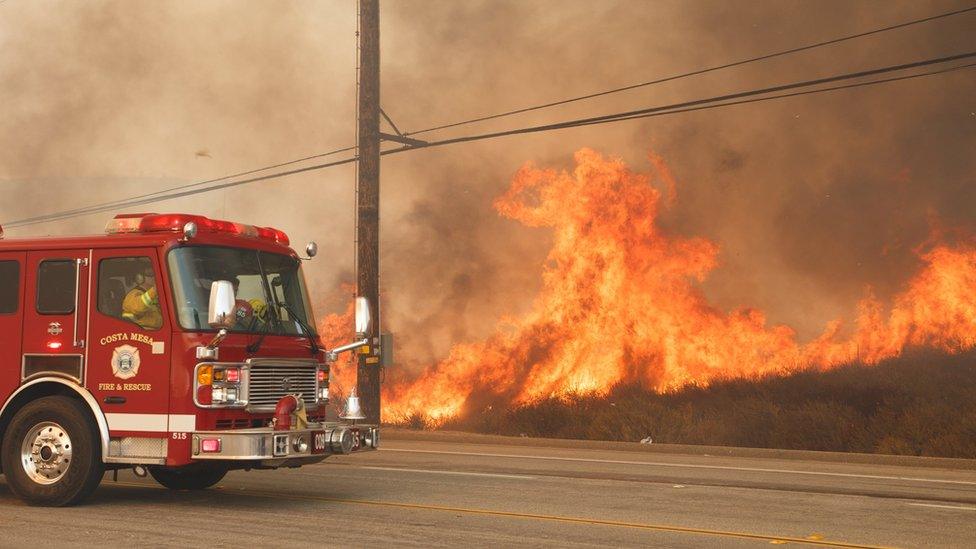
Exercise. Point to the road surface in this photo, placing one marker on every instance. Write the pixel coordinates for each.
(462, 493)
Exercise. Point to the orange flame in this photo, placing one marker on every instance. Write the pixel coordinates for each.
(337, 329)
(619, 304)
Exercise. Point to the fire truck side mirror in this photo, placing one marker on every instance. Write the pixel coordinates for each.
(222, 301)
(362, 316)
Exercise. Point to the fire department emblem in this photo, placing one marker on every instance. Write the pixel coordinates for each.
(125, 362)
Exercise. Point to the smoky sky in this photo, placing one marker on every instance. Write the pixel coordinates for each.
(811, 199)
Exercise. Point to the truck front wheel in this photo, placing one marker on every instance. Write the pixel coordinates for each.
(51, 452)
(191, 477)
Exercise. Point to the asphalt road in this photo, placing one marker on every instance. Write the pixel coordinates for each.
(451, 493)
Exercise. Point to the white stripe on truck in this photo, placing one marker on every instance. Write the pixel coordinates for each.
(152, 423)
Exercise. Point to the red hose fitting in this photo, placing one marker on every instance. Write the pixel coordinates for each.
(283, 410)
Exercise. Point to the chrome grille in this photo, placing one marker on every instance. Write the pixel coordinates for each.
(271, 380)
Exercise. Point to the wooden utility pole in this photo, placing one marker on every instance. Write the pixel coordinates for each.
(368, 202)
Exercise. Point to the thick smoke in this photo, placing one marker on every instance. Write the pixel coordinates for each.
(811, 199)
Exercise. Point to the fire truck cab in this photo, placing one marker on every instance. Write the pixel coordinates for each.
(174, 344)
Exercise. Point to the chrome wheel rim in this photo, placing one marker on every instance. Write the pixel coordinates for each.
(46, 452)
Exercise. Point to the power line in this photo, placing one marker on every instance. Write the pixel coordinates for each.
(676, 109)
(98, 208)
(727, 97)
(642, 113)
(787, 95)
(125, 202)
(84, 210)
(686, 106)
(699, 71)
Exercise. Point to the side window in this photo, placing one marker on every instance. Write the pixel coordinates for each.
(127, 291)
(9, 286)
(56, 280)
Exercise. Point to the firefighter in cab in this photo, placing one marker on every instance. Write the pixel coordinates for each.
(248, 311)
(141, 304)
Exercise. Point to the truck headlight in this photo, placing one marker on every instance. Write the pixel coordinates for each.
(322, 384)
(218, 386)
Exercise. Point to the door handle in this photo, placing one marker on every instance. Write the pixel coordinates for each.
(79, 263)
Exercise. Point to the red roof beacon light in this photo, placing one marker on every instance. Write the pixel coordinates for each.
(152, 222)
(124, 223)
(168, 222)
(274, 235)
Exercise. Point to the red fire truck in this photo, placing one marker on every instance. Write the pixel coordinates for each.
(177, 345)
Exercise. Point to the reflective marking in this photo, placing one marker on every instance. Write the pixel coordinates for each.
(432, 471)
(154, 423)
(686, 465)
(532, 516)
(151, 423)
(179, 423)
(957, 507)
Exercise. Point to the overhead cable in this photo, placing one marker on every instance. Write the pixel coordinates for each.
(562, 102)
(749, 96)
(699, 71)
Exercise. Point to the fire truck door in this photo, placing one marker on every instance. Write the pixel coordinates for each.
(56, 314)
(11, 318)
(129, 366)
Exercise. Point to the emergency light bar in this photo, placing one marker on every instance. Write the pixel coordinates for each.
(153, 223)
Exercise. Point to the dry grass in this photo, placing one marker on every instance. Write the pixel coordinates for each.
(919, 404)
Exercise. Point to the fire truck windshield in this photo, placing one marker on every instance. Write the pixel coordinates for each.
(270, 288)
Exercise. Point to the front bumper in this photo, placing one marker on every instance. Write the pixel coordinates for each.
(271, 447)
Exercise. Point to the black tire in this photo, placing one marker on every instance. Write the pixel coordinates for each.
(75, 474)
(190, 477)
